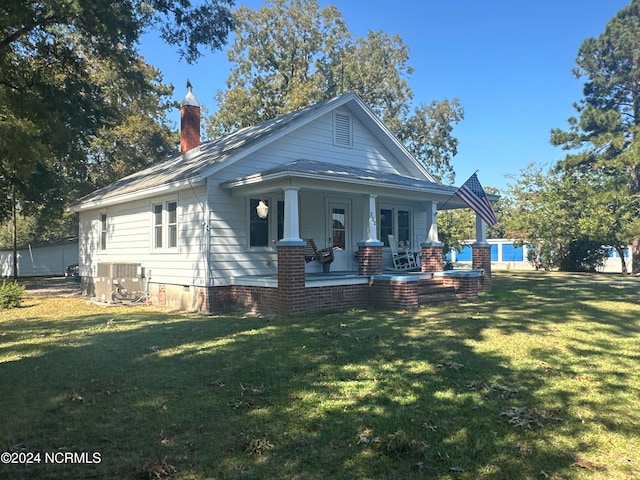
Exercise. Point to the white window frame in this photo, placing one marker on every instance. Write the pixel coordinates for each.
(103, 227)
(395, 224)
(157, 208)
(164, 226)
(172, 227)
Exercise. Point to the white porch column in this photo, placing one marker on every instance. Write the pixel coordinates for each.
(481, 231)
(432, 224)
(372, 233)
(291, 230)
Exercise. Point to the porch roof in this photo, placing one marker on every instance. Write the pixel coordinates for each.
(316, 174)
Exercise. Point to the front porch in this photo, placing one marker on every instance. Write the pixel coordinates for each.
(357, 211)
(292, 291)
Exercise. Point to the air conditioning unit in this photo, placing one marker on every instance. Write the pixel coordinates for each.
(117, 282)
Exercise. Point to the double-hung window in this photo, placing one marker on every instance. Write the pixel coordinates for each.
(258, 226)
(404, 226)
(158, 232)
(165, 225)
(396, 222)
(172, 224)
(103, 231)
(261, 229)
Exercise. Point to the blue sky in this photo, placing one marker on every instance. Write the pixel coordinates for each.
(509, 63)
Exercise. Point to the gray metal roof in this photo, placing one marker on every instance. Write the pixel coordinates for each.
(350, 178)
(200, 162)
(190, 166)
(332, 171)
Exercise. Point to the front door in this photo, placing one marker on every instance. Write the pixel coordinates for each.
(340, 235)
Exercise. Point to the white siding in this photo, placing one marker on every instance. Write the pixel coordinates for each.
(230, 252)
(130, 234)
(315, 142)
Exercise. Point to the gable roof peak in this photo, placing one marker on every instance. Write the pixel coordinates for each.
(201, 161)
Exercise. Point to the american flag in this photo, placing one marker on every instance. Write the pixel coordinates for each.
(472, 193)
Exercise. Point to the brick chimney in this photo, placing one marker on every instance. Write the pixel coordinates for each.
(189, 121)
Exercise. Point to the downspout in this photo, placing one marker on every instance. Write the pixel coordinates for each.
(207, 244)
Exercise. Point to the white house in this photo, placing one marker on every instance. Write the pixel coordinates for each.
(225, 222)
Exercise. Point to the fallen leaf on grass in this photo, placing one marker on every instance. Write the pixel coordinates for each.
(402, 443)
(244, 403)
(258, 446)
(158, 469)
(76, 397)
(548, 369)
(583, 463)
(17, 447)
(424, 424)
(366, 437)
(503, 390)
(251, 389)
(529, 417)
(452, 365)
(216, 383)
(524, 449)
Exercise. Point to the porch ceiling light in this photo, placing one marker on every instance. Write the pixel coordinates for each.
(262, 209)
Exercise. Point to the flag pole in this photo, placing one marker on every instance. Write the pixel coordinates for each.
(453, 195)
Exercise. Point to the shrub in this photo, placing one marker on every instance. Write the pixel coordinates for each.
(583, 256)
(10, 294)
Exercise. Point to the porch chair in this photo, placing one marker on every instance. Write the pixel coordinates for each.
(404, 260)
(311, 252)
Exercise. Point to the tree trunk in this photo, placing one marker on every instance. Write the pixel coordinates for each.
(621, 251)
(635, 243)
(635, 256)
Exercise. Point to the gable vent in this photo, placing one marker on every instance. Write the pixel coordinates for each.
(342, 134)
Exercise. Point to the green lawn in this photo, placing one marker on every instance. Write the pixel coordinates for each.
(539, 379)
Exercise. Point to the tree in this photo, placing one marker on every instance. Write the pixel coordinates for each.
(50, 105)
(604, 137)
(377, 68)
(291, 53)
(137, 135)
(568, 216)
(428, 135)
(285, 55)
(455, 227)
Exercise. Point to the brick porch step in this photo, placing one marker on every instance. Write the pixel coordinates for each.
(433, 291)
